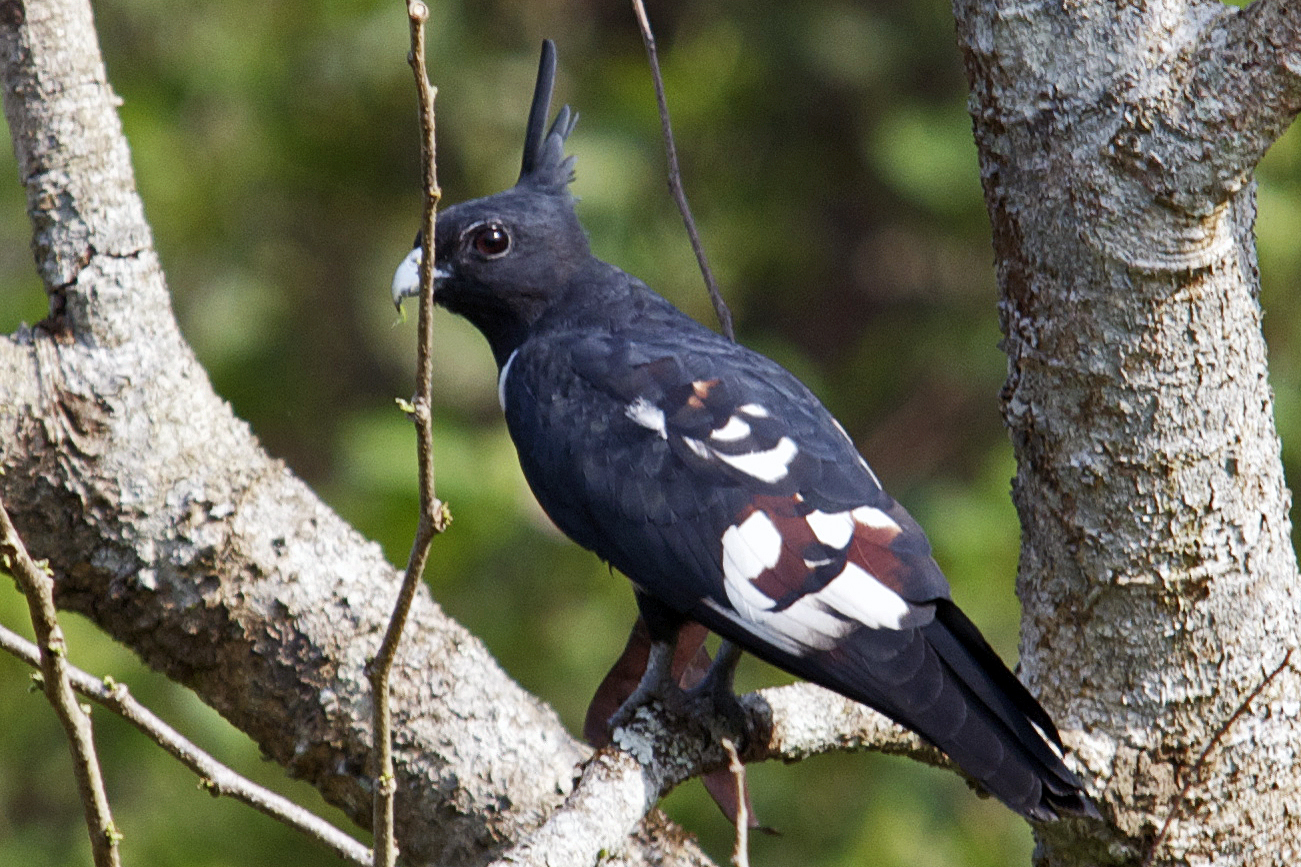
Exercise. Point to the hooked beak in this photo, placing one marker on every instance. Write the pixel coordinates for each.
(406, 279)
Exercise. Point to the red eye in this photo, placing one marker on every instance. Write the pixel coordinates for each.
(490, 240)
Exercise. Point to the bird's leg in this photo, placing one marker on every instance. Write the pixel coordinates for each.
(657, 683)
(716, 689)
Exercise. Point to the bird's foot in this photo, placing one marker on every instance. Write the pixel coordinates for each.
(714, 698)
(657, 686)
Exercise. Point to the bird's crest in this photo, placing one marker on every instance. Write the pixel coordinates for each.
(545, 166)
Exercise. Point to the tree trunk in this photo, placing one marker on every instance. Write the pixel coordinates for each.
(1158, 578)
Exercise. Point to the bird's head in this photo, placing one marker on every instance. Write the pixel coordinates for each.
(500, 261)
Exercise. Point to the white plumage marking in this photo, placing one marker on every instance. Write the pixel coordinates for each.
(648, 415)
(858, 595)
(753, 410)
(698, 447)
(749, 549)
(735, 429)
(766, 466)
(811, 624)
(874, 518)
(501, 380)
(833, 529)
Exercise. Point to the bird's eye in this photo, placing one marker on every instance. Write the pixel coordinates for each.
(491, 240)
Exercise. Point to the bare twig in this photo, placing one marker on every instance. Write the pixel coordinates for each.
(217, 779)
(1206, 752)
(434, 516)
(35, 583)
(675, 174)
(741, 849)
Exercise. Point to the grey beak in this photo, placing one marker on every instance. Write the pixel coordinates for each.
(406, 279)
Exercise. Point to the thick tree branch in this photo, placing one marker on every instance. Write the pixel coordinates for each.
(1229, 86)
(659, 750)
(167, 524)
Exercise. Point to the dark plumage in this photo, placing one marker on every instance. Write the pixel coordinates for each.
(720, 485)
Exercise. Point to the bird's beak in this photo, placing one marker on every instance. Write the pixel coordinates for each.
(406, 279)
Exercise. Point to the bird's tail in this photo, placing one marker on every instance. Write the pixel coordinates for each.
(946, 683)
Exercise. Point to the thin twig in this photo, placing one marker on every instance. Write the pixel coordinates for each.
(741, 849)
(1206, 752)
(216, 778)
(36, 584)
(434, 516)
(675, 174)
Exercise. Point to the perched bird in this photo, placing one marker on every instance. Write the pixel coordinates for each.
(719, 484)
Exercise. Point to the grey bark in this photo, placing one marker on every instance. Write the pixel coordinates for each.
(1157, 575)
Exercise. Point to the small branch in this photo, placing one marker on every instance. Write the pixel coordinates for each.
(434, 516)
(1206, 752)
(217, 779)
(741, 850)
(37, 586)
(675, 174)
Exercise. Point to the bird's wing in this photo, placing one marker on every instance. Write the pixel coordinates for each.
(718, 483)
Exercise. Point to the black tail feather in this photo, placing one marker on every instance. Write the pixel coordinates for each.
(945, 682)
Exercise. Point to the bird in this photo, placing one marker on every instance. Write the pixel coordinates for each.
(720, 485)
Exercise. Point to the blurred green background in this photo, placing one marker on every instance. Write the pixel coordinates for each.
(827, 152)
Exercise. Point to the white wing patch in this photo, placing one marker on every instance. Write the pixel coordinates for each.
(833, 530)
(735, 429)
(750, 548)
(754, 410)
(876, 519)
(501, 380)
(768, 466)
(648, 415)
(858, 595)
(819, 619)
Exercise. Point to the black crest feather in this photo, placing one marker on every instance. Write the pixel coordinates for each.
(545, 166)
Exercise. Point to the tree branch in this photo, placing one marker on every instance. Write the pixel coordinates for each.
(36, 585)
(659, 750)
(215, 777)
(1238, 84)
(675, 173)
(434, 516)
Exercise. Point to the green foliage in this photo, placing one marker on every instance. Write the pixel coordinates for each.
(828, 157)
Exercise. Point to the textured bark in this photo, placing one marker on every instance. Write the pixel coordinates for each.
(1157, 574)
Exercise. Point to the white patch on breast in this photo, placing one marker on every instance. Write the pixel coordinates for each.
(648, 415)
(833, 529)
(766, 466)
(859, 596)
(735, 429)
(501, 380)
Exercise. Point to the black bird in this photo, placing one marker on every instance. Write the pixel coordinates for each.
(720, 485)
